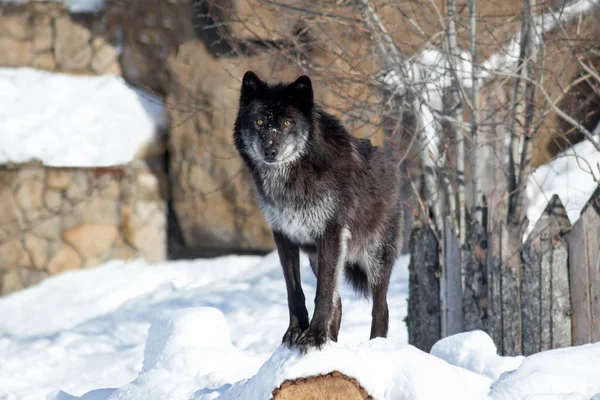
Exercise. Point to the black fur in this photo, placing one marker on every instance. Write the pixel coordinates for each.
(323, 192)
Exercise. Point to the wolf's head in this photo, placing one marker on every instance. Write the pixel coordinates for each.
(274, 121)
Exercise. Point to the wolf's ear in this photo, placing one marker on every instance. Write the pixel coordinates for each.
(251, 86)
(302, 90)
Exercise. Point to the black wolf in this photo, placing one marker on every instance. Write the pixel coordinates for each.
(324, 192)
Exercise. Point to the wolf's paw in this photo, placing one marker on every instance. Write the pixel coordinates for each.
(312, 338)
(291, 336)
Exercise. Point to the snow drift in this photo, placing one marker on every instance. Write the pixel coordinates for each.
(188, 355)
(87, 331)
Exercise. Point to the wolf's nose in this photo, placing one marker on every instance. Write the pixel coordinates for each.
(270, 154)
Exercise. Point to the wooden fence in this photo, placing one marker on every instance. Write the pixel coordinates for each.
(529, 297)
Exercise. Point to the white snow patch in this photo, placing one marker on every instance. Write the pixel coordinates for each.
(476, 352)
(186, 350)
(75, 6)
(188, 356)
(73, 121)
(572, 373)
(207, 329)
(574, 175)
(385, 370)
(85, 332)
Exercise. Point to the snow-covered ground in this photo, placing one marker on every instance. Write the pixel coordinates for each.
(206, 329)
(75, 6)
(87, 329)
(73, 121)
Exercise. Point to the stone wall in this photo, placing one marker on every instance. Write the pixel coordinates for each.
(56, 219)
(149, 32)
(46, 36)
(212, 192)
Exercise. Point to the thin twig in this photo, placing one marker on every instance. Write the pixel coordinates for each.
(475, 187)
(452, 54)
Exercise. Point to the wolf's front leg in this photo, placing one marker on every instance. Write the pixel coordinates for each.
(289, 256)
(331, 258)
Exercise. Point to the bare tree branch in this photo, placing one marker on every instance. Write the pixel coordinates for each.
(561, 113)
(517, 98)
(476, 188)
(455, 90)
(396, 61)
(588, 135)
(518, 199)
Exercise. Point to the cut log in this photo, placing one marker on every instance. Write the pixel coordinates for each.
(332, 386)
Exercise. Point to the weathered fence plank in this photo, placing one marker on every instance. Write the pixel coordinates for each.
(424, 315)
(545, 293)
(531, 293)
(545, 307)
(475, 291)
(591, 216)
(561, 307)
(493, 323)
(511, 297)
(542, 295)
(584, 273)
(579, 277)
(451, 284)
(504, 304)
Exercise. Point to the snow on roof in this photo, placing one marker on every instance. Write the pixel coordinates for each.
(73, 121)
(573, 175)
(75, 6)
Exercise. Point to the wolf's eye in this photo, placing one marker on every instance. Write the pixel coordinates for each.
(259, 122)
(286, 123)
